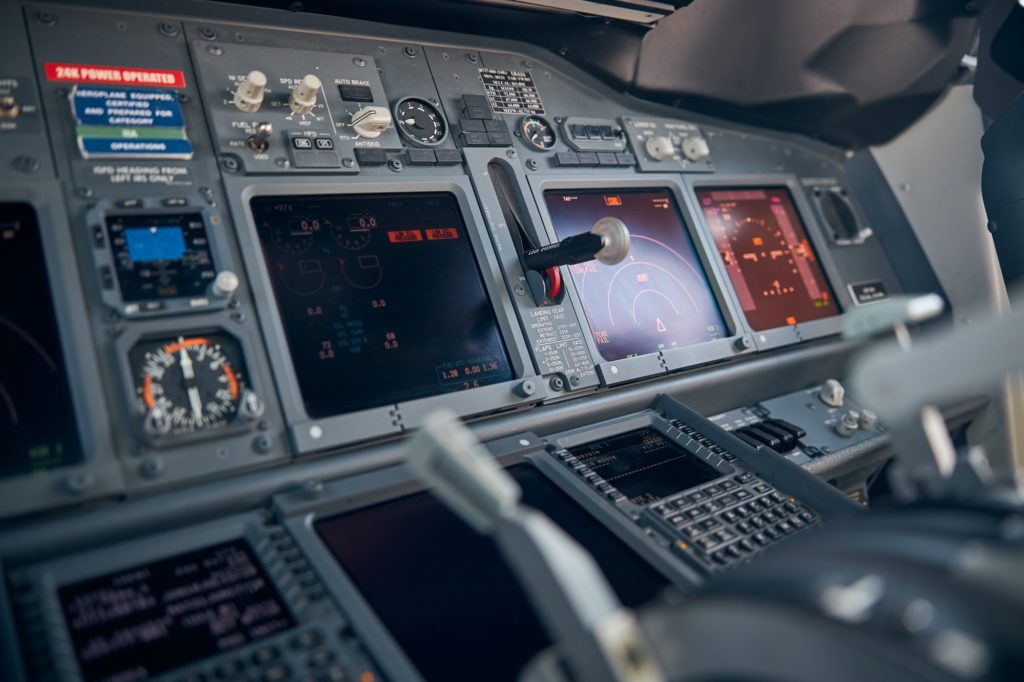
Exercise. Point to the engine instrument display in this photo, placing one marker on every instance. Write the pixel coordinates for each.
(644, 465)
(768, 255)
(457, 588)
(381, 298)
(188, 384)
(159, 257)
(659, 297)
(37, 420)
(142, 621)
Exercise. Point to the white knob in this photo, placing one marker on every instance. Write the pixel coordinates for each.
(695, 148)
(832, 393)
(848, 424)
(370, 122)
(249, 95)
(303, 97)
(225, 284)
(868, 420)
(659, 148)
(250, 406)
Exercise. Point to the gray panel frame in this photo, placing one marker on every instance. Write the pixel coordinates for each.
(358, 492)
(99, 474)
(780, 336)
(652, 364)
(310, 434)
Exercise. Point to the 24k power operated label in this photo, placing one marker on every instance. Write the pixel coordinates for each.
(114, 75)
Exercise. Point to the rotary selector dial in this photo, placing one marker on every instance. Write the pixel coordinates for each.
(659, 147)
(249, 94)
(695, 148)
(303, 97)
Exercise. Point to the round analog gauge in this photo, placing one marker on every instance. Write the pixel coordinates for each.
(189, 384)
(420, 122)
(538, 133)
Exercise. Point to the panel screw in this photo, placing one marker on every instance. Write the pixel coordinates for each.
(742, 343)
(281, 162)
(574, 380)
(44, 17)
(348, 162)
(473, 57)
(168, 29)
(26, 164)
(85, 192)
(183, 97)
(527, 64)
(79, 482)
(151, 467)
(312, 489)
(208, 33)
(557, 383)
(395, 165)
(409, 51)
(526, 388)
(532, 164)
(230, 164)
(262, 444)
(359, 61)
(519, 289)
(215, 50)
(510, 153)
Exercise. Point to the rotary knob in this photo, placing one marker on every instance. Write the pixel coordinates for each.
(225, 284)
(695, 148)
(303, 97)
(832, 393)
(249, 95)
(659, 147)
(370, 122)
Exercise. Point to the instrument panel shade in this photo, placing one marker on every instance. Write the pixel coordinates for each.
(37, 420)
(381, 298)
(657, 299)
(768, 254)
(439, 586)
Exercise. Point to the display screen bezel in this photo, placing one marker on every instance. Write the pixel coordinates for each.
(308, 434)
(652, 364)
(787, 335)
(44, 489)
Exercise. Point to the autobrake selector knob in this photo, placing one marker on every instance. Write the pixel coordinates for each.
(695, 148)
(249, 94)
(832, 393)
(303, 97)
(370, 122)
(659, 147)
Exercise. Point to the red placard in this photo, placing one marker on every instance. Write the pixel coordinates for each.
(442, 233)
(114, 75)
(399, 236)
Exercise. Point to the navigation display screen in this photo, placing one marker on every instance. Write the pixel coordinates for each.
(644, 465)
(37, 420)
(381, 298)
(137, 623)
(161, 256)
(769, 258)
(659, 297)
(444, 591)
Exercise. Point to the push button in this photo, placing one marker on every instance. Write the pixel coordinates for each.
(355, 93)
(324, 143)
(302, 143)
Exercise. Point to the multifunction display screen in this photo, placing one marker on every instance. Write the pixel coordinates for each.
(659, 297)
(37, 421)
(644, 465)
(381, 298)
(769, 258)
(139, 622)
(446, 594)
(161, 256)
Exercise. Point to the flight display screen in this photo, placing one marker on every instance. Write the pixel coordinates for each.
(768, 255)
(659, 297)
(37, 420)
(644, 465)
(432, 579)
(161, 256)
(145, 620)
(381, 298)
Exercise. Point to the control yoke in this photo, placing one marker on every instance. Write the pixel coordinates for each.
(599, 640)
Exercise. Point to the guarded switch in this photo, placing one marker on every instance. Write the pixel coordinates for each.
(303, 97)
(249, 95)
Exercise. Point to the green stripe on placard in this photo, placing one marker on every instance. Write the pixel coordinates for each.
(150, 133)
